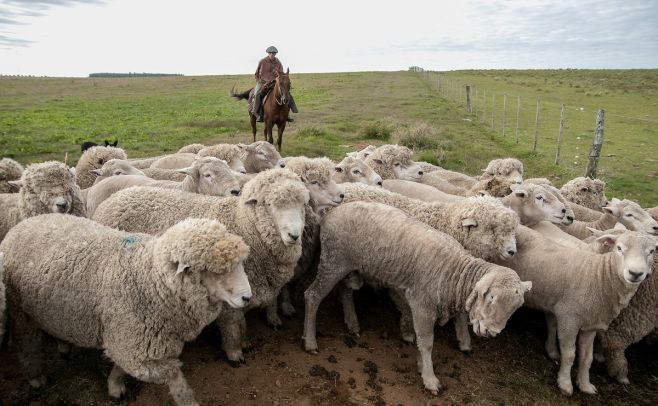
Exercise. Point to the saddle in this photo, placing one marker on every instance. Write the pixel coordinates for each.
(264, 91)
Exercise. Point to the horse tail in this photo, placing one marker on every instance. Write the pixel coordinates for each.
(239, 96)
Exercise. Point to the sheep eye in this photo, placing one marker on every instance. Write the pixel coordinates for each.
(117, 173)
(356, 172)
(315, 182)
(618, 248)
(651, 252)
(207, 175)
(629, 215)
(539, 197)
(397, 164)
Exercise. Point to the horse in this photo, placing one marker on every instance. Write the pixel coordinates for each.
(275, 106)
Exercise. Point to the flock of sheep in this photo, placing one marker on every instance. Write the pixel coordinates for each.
(136, 256)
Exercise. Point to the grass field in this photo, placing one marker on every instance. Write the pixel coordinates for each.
(43, 118)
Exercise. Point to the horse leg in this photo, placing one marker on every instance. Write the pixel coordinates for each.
(280, 127)
(253, 126)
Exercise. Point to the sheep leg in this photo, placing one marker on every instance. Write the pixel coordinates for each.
(230, 323)
(116, 386)
(616, 363)
(551, 339)
(406, 321)
(461, 329)
(166, 371)
(287, 309)
(349, 311)
(28, 337)
(271, 315)
(424, 319)
(567, 335)
(324, 282)
(585, 356)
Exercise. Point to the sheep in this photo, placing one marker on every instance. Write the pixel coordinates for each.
(419, 191)
(174, 161)
(626, 212)
(229, 153)
(260, 156)
(164, 174)
(143, 163)
(137, 297)
(394, 162)
(580, 292)
(3, 303)
(634, 322)
(438, 278)
(585, 192)
(191, 148)
(94, 158)
(316, 173)
(206, 176)
(48, 187)
(509, 168)
(362, 154)
(653, 212)
(427, 167)
(582, 213)
(10, 170)
(268, 215)
(356, 170)
(436, 180)
(115, 167)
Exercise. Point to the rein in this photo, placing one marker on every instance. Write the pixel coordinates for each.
(279, 100)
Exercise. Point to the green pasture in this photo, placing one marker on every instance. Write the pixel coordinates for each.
(47, 118)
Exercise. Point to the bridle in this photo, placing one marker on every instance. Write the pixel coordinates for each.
(282, 98)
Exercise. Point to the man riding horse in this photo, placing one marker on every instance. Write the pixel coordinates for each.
(265, 72)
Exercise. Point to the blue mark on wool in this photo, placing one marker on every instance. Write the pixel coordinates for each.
(131, 239)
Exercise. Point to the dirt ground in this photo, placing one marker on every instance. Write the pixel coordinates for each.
(373, 369)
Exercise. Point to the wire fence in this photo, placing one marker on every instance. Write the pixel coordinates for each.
(561, 131)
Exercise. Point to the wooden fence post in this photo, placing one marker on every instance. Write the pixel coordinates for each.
(518, 112)
(484, 105)
(534, 146)
(493, 110)
(476, 103)
(595, 152)
(504, 113)
(469, 109)
(559, 136)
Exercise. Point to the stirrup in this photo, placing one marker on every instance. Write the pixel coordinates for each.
(259, 119)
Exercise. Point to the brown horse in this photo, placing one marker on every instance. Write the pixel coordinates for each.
(275, 107)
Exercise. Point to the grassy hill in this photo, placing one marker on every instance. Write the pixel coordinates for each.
(43, 118)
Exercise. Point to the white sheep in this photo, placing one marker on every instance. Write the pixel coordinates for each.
(352, 170)
(437, 277)
(48, 187)
(268, 215)
(94, 158)
(362, 154)
(260, 156)
(139, 302)
(115, 167)
(580, 292)
(585, 192)
(191, 148)
(206, 176)
(164, 174)
(227, 152)
(419, 191)
(394, 162)
(10, 170)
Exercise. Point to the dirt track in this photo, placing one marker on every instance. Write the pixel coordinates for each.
(374, 369)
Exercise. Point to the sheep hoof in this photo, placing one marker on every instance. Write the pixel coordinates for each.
(38, 382)
(623, 380)
(465, 348)
(434, 392)
(565, 387)
(588, 388)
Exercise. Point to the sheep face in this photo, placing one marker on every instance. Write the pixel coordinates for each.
(260, 156)
(633, 252)
(495, 297)
(213, 177)
(237, 165)
(508, 168)
(48, 188)
(568, 215)
(632, 216)
(231, 287)
(227, 152)
(523, 201)
(355, 170)
(316, 173)
(117, 167)
(554, 210)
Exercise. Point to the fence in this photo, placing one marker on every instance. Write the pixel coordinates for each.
(561, 131)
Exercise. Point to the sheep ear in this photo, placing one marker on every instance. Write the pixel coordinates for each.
(471, 299)
(614, 210)
(96, 172)
(607, 239)
(527, 285)
(469, 222)
(182, 268)
(187, 171)
(16, 183)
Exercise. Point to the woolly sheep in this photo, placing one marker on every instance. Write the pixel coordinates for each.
(438, 278)
(626, 212)
(585, 192)
(3, 303)
(356, 170)
(206, 176)
(174, 161)
(268, 215)
(94, 158)
(582, 213)
(164, 174)
(509, 168)
(139, 302)
(581, 292)
(143, 163)
(394, 162)
(191, 148)
(260, 156)
(362, 154)
(419, 191)
(48, 187)
(115, 167)
(436, 180)
(10, 170)
(228, 152)
(653, 212)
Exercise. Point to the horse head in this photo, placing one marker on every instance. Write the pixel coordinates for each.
(283, 84)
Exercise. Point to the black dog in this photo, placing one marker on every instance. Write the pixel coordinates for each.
(88, 144)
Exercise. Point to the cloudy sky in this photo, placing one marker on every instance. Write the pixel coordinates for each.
(204, 37)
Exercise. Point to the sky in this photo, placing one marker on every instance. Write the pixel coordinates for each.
(203, 37)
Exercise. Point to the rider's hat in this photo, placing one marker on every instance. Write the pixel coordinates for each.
(271, 49)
